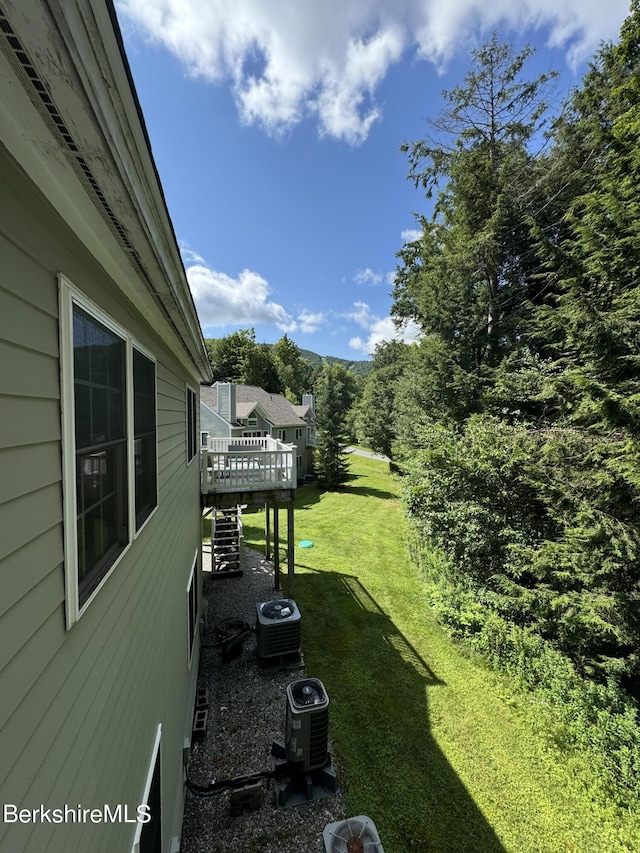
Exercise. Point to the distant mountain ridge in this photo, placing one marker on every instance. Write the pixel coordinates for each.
(361, 367)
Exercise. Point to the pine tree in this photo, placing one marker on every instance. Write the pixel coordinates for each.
(335, 391)
(470, 280)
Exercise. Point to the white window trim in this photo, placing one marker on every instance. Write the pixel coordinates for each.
(193, 579)
(68, 296)
(147, 787)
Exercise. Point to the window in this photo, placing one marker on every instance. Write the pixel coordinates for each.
(252, 422)
(298, 434)
(100, 411)
(204, 439)
(192, 424)
(280, 434)
(252, 433)
(299, 463)
(109, 444)
(144, 436)
(192, 608)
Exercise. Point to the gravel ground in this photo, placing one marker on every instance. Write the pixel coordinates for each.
(246, 714)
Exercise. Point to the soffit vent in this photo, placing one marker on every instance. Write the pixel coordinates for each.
(48, 109)
(19, 59)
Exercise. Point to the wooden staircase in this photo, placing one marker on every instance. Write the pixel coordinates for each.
(226, 542)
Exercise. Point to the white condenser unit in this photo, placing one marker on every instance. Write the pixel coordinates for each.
(353, 835)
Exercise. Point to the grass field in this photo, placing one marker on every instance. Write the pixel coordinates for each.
(429, 743)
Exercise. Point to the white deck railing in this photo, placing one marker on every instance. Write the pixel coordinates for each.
(247, 464)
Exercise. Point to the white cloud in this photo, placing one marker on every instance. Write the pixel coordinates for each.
(288, 59)
(379, 329)
(189, 256)
(243, 301)
(360, 314)
(368, 276)
(411, 234)
(310, 322)
(222, 300)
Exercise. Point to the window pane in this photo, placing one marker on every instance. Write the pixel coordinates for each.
(191, 424)
(83, 415)
(101, 451)
(99, 365)
(144, 418)
(102, 514)
(144, 390)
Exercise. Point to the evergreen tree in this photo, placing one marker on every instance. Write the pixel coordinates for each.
(536, 506)
(470, 280)
(374, 412)
(334, 391)
(594, 323)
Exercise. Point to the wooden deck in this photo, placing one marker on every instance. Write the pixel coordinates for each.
(247, 470)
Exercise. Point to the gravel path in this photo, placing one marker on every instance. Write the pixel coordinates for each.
(246, 714)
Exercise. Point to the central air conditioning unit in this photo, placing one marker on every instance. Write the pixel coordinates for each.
(307, 724)
(354, 835)
(302, 762)
(278, 625)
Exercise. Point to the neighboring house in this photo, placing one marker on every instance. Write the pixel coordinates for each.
(100, 522)
(228, 410)
(307, 411)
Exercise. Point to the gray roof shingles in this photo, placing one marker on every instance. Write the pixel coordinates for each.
(277, 408)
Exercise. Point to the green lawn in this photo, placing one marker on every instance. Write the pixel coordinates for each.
(428, 742)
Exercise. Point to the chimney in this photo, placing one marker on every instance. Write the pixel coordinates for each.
(227, 401)
(309, 400)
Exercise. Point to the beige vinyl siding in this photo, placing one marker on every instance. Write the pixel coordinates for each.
(79, 708)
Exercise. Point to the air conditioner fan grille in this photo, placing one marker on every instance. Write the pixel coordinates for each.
(280, 609)
(354, 835)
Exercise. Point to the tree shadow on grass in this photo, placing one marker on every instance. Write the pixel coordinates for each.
(370, 492)
(310, 494)
(389, 765)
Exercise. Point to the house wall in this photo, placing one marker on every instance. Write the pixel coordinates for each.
(263, 426)
(79, 708)
(288, 434)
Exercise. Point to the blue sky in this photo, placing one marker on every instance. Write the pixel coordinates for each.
(276, 127)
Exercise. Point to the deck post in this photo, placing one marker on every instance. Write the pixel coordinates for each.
(276, 546)
(267, 532)
(290, 550)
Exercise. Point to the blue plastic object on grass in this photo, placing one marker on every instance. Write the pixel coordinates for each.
(306, 543)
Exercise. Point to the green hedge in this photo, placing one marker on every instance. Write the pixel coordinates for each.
(598, 719)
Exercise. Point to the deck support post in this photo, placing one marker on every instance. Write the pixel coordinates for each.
(267, 532)
(276, 546)
(290, 551)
